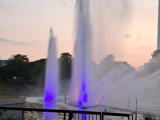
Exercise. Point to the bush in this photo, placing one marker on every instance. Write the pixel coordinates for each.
(149, 116)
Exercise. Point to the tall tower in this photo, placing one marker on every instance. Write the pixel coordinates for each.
(158, 38)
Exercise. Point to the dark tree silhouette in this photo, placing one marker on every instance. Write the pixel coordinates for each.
(17, 67)
(65, 62)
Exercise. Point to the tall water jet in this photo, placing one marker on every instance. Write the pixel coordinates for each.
(81, 77)
(51, 78)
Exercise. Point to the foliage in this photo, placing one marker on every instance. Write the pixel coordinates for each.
(155, 53)
(20, 70)
(1, 79)
(37, 69)
(18, 73)
(17, 67)
(149, 116)
(65, 62)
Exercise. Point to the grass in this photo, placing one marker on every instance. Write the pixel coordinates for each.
(9, 118)
(7, 90)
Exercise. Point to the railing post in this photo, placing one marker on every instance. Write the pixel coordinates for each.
(136, 108)
(70, 116)
(102, 117)
(64, 116)
(136, 116)
(22, 114)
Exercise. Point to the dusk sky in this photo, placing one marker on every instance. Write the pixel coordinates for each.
(25, 24)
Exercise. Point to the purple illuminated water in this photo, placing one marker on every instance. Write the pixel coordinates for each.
(117, 84)
(51, 78)
(49, 115)
(81, 78)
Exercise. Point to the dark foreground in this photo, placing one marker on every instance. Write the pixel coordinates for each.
(31, 113)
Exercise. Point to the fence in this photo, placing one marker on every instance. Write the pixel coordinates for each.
(72, 114)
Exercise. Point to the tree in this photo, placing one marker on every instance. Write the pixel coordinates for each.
(18, 67)
(0, 73)
(155, 53)
(65, 62)
(37, 71)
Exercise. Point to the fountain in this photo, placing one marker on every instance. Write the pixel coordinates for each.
(120, 84)
(116, 82)
(81, 78)
(51, 79)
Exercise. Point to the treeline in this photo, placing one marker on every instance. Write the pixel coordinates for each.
(19, 71)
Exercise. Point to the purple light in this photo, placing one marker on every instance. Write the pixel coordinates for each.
(49, 97)
(83, 96)
(50, 88)
(51, 77)
(49, 115)
(80, 103)
(103, 97)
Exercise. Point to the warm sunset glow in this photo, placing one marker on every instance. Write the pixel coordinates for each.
(25, 24)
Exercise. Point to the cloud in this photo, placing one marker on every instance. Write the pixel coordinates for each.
(15, 42)
(63, 3)
(6, 5)
(127, 36)
(145, 47)
(138, 36)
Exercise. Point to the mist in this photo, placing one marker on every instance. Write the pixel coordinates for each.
(110, 21)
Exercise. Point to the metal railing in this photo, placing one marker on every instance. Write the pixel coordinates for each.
(71, 114)
(133, 115)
